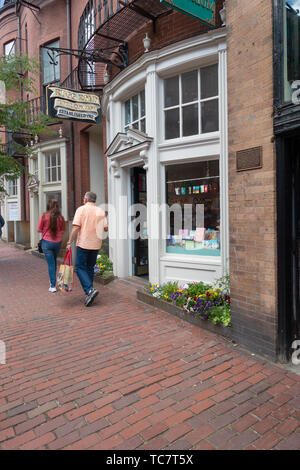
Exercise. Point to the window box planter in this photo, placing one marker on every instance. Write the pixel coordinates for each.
(183, 314)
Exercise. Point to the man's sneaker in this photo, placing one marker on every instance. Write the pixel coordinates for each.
(52, 289)
(91, 297)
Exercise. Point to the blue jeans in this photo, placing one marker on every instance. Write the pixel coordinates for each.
(51, 251)
(84, 267)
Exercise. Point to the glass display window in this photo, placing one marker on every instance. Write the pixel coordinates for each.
(192, 190)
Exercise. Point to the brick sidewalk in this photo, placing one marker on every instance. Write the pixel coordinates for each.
(122, 375)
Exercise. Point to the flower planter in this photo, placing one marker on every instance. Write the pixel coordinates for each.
(104, 279)
(184, 315)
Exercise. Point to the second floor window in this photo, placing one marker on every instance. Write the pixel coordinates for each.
(52, 167)
(135, 112)
(50, 64)
(12, 187)
(191, 103)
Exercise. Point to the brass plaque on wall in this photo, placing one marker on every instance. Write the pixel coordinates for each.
(249, 159)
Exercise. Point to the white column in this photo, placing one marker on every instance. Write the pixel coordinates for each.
(223, 113)
(153, 174)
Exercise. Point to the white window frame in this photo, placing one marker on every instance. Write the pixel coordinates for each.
(182, 105)
(57, 166)
(141, 117)
(13, 187)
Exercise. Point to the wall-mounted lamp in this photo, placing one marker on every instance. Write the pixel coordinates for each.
(146, 42)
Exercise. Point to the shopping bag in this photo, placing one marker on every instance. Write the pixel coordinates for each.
(65, 275)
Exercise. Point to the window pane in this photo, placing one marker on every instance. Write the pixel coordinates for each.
(209, 81)
(210, 116)
(135, 125)
(171, 92)
(172, 124)
(190, 120)
(48, 160)
(9, 48)
(58, 174)
(127, 112)
(196, 231)
(53, 174)
(143, 104)
(53, 159)
(51, 64)
(189, 86)
(143, 125)
(135, 107)
(48, 175)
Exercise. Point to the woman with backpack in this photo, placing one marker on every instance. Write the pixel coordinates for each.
(52, 227)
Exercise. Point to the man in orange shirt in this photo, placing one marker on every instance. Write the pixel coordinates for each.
(88, 225)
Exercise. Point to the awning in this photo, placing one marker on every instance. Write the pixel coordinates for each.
(107, 47)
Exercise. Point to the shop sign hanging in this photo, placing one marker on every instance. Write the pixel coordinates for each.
(73, 105)
(202, 10)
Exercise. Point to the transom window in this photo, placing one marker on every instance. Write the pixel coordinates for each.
(52, 167)
(191, 103)
(135, 112)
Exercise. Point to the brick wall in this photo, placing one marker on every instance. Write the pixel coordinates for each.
(252, 209)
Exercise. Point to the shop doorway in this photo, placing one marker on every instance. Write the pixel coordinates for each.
(288, 197)
(139, 218)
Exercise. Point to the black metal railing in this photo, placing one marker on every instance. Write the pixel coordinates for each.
(36, 106)
(71, 81)
(94, 15)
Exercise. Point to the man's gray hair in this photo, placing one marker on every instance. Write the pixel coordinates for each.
(91, 197)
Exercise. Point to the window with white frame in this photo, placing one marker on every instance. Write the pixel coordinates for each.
(135, 112)
(52, 167)
(191, 103)
(12, 187)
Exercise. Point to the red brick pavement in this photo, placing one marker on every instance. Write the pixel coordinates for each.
(122, 375)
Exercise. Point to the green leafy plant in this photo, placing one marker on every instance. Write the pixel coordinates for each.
(18, 72)
(206, 301)
(103, 267)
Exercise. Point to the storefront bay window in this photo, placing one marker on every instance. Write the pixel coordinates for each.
(191, 103)
(193, 197)
(291, 34)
